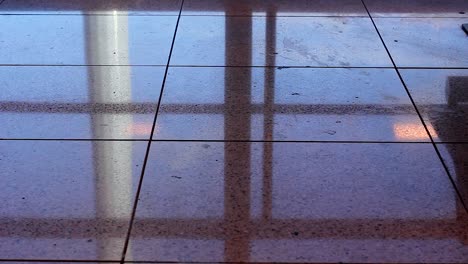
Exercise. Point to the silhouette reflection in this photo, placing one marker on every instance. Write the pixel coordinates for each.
(234, 200)
(280, 7)
(290, 201)
(440, 96)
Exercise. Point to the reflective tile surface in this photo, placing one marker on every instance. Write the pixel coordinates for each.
(425, 42)
(297, 202)
(65, 199)
(455, 157)
(442, 98)
(258, 41)
(89, 102)
(276, 7)
(418, 8)
(111, 7)
(222, 131)
(86, 40)
(287, 104)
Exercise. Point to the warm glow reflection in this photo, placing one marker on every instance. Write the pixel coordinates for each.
(412, 131)
(140, 129)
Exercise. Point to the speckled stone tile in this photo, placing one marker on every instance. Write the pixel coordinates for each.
(108, 7)
(425, 42)
(418, 8)
(258, 41)
(286, 104)
(274, 8)
(441, 96)
(297, 202)
(67, 199)
(455, 157)
(95, 102)
(86, 40)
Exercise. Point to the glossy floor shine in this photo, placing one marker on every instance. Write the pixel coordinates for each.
(206, 131)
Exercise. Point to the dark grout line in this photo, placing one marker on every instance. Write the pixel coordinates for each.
(460, 197)
(276, 16)
(448, 142)
(188, 262)
(433, 68)
(191, 262)
(73, 139)
(293, 141)
(145, 161)
(280, 67)
(81, 65)
(136, 13)
(274, 262)
(234, 141)
(139, 13)
(59, 260)
(429, 17)
(86, 14)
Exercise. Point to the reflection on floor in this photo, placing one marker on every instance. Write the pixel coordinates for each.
(234, 131)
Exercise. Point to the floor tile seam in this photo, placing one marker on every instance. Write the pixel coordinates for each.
(75, 139)
(420, 17)
(79, 65)
(280, 67)
(87, 14)
(9, 260)
(439, 155)
(234, 141)
(145, 161)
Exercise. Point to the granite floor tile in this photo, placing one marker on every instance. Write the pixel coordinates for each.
(284, 134)
(110, 7)
(441, 96)
(417, 8)
(86, 102)
(274, 8)
(86, 40)
(298, 202)
(233, 103)
(66, 199)
(425, 42)
(281, 41)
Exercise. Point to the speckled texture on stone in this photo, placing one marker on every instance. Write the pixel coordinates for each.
(418, 8)
(89, 102)
(67, 200)
(298, 202)
(86, 40)
(108, 7)
(425, 42)
(441, 96)
(337, 41)
(287, 104)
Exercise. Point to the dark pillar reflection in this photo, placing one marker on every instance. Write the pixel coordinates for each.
(268, 113)
(237, 97)
(455, 124)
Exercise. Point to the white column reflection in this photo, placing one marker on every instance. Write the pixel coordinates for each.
(107, 44)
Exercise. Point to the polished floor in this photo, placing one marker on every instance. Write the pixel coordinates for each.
(203, 131)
